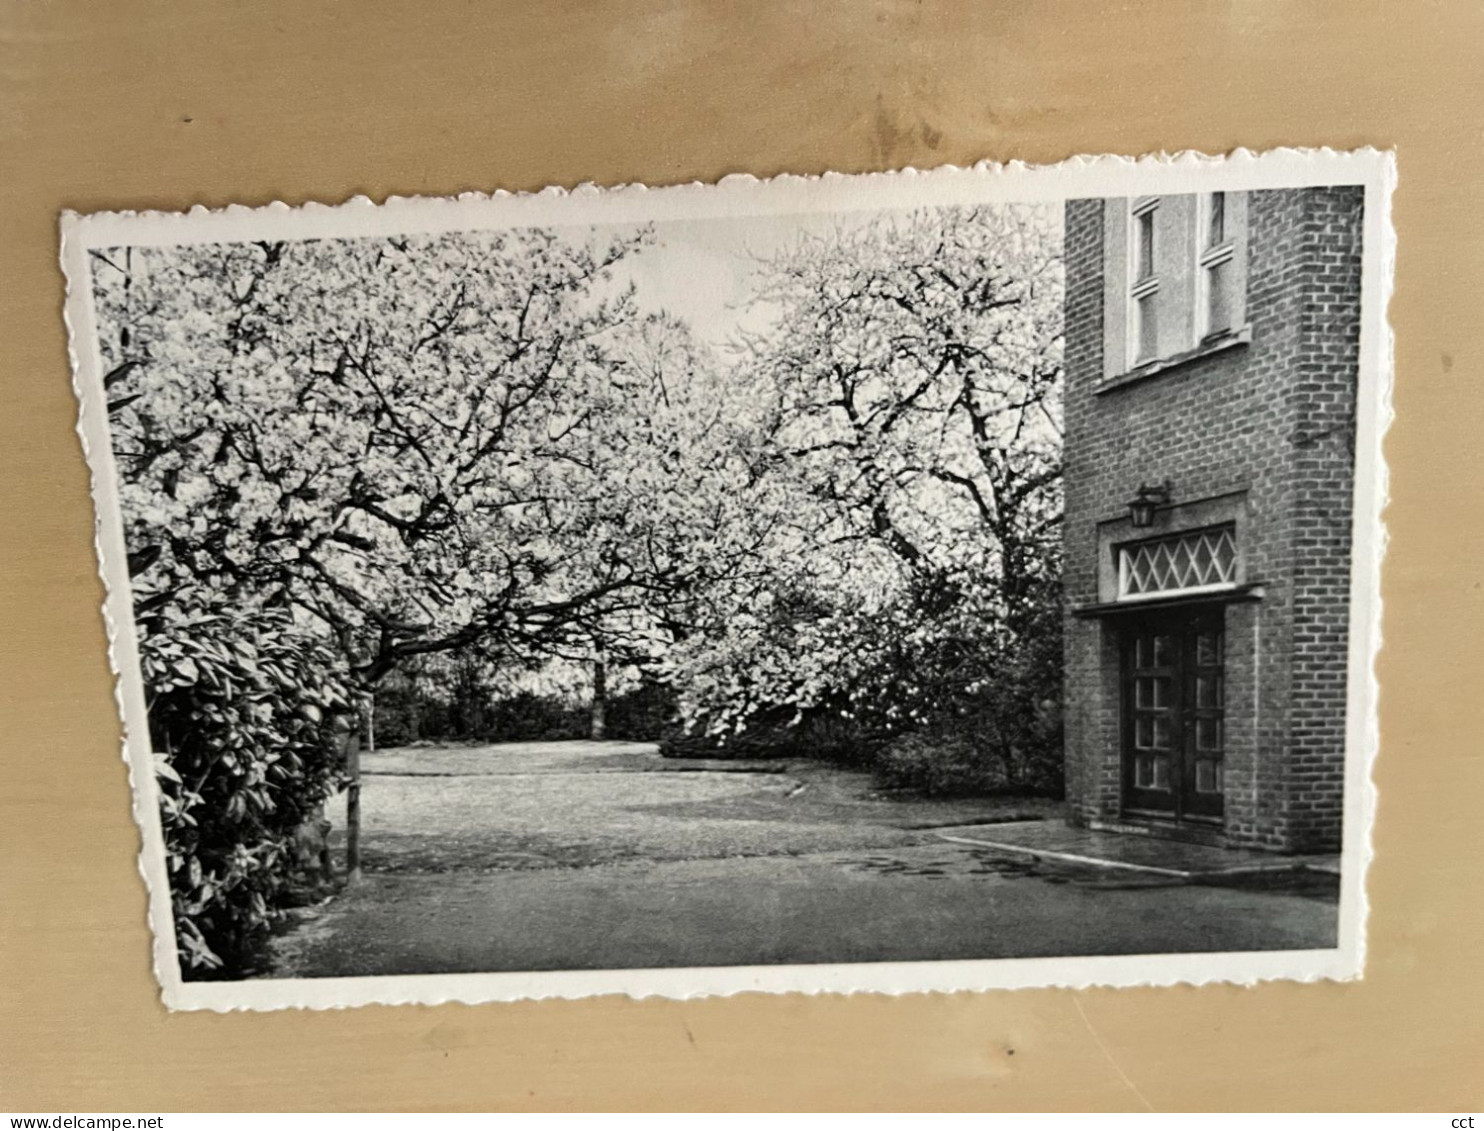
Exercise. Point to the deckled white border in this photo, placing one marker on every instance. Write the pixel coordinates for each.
(1079, 177)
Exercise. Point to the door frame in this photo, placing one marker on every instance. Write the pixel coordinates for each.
(1189, 719)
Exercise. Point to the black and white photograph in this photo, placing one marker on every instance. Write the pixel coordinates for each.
(911, 581)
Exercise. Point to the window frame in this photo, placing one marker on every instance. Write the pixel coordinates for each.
(1208, 257)
(1141, 287)
(1121, 567)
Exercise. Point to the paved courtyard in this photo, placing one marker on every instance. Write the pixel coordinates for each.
(582, 855)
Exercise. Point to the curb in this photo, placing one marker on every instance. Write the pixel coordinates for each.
(1147, 869)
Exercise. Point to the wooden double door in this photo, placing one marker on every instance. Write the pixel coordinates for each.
(1174, 714)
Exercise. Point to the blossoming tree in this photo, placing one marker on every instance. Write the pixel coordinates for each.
(913, 369)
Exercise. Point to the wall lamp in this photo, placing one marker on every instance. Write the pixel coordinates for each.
(1149, 499)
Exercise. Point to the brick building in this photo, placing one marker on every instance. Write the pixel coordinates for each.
(1212, 352)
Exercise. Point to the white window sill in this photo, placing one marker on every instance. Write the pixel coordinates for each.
(1188, 591)
(1226, 594)
(1232, 339)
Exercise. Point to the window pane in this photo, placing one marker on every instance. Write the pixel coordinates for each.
(1146, 327)
(1161, 773)
(1208, 649)
(1219, 305)
(1208, 734)
(1161, 732)
(1208, 776)
(1182, 561)
(1144, 771)
(1208, 692)
(1216, 233)
(1161, 657)
(1143, 733)
(1145, 241)
(1152, 692)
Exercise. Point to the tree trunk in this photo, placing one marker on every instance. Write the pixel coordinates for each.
(353, 790)
(353, 807)
(600, 697)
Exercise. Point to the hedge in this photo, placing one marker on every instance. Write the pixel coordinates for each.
(248, 715)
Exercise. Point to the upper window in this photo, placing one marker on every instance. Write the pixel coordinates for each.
(1144, 290)
(1216, 302)
(1144, 238)
(1175, 276)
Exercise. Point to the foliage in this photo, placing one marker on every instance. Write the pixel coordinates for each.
(1003, 734)
(429, 443)
(939, 763)
(642, 713)
(247, 721)
(825, 733)
(528, 717)
(410, 711)
(905, 519)
(458, 697)
(374, 452)
(455, 469)
(403, 714)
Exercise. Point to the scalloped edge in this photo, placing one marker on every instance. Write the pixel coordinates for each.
(784, 193)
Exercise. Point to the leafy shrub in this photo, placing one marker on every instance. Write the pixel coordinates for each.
(527, 717)
(641, 715)
(765, 735)
(938, 763)
(988, 717)
(458, 702)
(1011, 742)
(407, 711)
(405, 714)
(832, 736)
(778, 732)
(247, 718)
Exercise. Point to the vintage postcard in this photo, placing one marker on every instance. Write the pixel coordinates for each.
(916, 581)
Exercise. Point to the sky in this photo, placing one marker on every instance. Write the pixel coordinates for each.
(702, 271)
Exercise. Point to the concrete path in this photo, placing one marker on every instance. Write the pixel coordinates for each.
(603, 855)
(1056, 841)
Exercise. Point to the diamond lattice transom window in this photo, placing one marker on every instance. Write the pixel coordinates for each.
(1197, 560)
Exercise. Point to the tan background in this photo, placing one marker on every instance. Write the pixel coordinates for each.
(121, 104)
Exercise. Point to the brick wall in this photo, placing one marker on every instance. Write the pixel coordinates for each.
(1092, 759)
(1323, 439)
(1268, 423)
